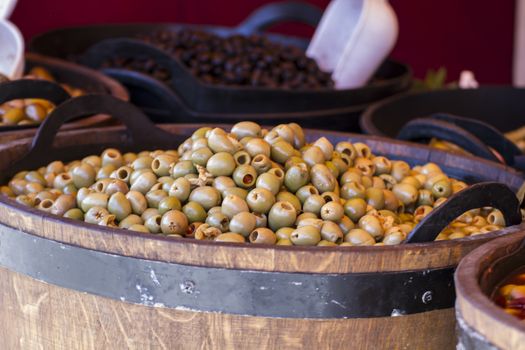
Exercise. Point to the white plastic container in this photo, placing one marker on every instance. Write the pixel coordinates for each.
(352, 40)
(11, 43)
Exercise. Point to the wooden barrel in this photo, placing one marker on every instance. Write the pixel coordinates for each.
(76, 76)
(72, 285)
(481, 323)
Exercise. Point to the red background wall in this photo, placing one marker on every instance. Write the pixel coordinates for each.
(465, 34)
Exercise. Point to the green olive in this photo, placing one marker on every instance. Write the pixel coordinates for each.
(284, 196)
(353, 190)
(313, 155)
(138, 228)
(285, 132)
(112, 156)
(256, 147)
(296, 177)
(421, 212)
(412, 180)
(325, 146)
(162, 163)
(363, 151)
(218, 220)
(180, 188)
(243, 129)
(425, 197)
(153, 223)
(232, 205)
(128, 158)
(243, 223)
(27, 201)
(200, 133)
(174, 222)
(330, 231)
(382, 165)
(269, 182)
(35, 176)
(322, 178)
(347, 149)
(442, 189)
(55, 167)
(236, 191)
(221, 164)
(221, 183)
(345, 224)
(182, 168)
(242, 158)
(261, 220)
(74, 214)
(496, 217)
(359, 237)
(168, 203)
(194, 211)
(114, 186)
(299, 138)
(62, 180)
(138, 202)
(154, 197)
(306, 235)
(261, 163)
(332, 211)
(245, 176)
(206, 196)
(144, 182)
(375, 197)
(105, 171)
(306, 191)
(284, 233)
(94, 200)
(284, 241)
(13, 116)
(372, 225)
(400, 170)
(219, 141)
(262, 235)
(282, 214)
(62, 204)
(34, 187)
(313, 204)
(95, 214)
(281, 151)
(130, 220)
(143, 162)
(260, 200)
(406, 193)
(230, 237)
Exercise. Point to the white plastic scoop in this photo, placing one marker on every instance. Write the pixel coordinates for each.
(352, 40)
(11, 43)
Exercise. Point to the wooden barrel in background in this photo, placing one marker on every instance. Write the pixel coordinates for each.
(69, 285)
(74, 75)
(481, 323)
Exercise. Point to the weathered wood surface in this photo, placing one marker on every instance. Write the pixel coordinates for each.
(473, 305)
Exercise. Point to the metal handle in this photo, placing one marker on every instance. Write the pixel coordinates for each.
(425, 128)
(33, 88)
(484, 194)
(486, 133)
(142, 133)
(280, 12)
(160, 96)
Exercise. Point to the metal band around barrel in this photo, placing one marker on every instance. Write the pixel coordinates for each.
(242, 292)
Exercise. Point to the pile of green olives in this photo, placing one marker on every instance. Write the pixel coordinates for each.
(31, 110)
(252, 185)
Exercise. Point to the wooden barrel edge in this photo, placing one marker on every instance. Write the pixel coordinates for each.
(42, 314)
(476, 310)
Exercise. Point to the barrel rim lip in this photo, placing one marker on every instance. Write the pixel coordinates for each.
(469, 291)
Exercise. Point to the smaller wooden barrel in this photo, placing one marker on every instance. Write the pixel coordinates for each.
(482, 324)
(73, 75)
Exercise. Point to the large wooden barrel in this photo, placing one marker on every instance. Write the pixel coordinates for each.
(481, 323)
(74, 75)
(72, 285)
